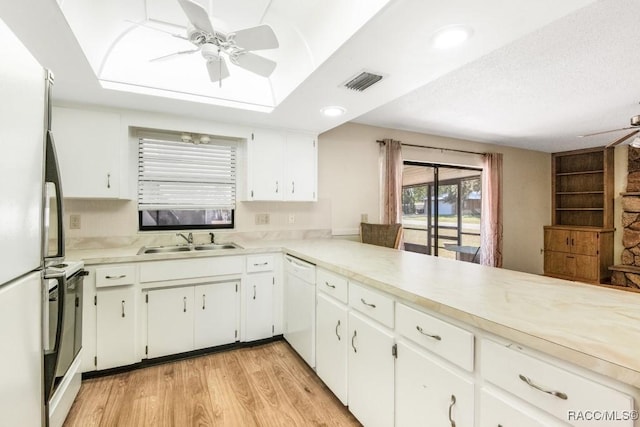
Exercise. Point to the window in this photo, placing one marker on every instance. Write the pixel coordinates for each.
(182, 185)
(441, 208)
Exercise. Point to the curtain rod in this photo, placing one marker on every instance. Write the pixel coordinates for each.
(436, 148)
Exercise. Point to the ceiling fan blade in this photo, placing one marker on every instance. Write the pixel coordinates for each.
(217, 68)
(256, 38)
(197, 15)
(146, 25)
(254, 63)
(606, 131)
(623, 139)
(171, 55)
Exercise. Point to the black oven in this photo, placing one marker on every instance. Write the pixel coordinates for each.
(63, 326)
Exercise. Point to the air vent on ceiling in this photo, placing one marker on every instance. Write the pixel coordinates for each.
(363, 81)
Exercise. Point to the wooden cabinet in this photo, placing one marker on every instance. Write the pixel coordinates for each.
(216, 314)
(430, 393)
(116, 327)
(371, 372)
(258, 295)
(583, 188)
(89, 146)
(281, 166)
(331, 344)
(170, 316)
(578, 253)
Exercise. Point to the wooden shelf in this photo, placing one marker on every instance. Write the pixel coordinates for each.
(579, 209)
(571, 193)
(579, 173)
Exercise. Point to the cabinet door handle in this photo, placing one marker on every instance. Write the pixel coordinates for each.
(184, 304)
(122, 308)
(203, 301)
(337, 334)
(108, 180)
(122, 276)
(293, 187)
(435, 337)
(453, 402)
(558, 394)
(367, 304)
(261, 264)
(254, 291)
(331, 286)
(355, 350)
(573, 243)
(567, 241)
(277, 187)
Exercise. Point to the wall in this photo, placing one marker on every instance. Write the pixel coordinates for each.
(348, 186)
(348, 174)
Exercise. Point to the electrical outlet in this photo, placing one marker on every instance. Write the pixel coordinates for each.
(74, 222)
(262, 219)
(292, 218)
(364, 217)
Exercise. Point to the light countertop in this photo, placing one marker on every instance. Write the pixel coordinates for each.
(594, 327)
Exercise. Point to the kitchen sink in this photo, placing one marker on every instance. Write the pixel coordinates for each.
(186, 248)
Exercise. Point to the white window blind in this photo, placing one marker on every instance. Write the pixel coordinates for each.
(179, 175)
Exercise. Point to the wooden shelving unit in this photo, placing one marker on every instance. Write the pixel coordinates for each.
(579, 243)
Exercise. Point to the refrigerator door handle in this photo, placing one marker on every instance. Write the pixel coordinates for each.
(52, 175)
(51, 356)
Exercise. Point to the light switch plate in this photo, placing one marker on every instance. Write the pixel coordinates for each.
(262, 219)
(364, 217)
(74, 222)
(292, 218)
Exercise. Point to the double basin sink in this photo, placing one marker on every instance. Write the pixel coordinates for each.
(186, 248)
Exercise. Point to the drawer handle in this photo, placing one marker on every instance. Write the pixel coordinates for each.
(122, 308)
(337, 334)
(184, 304)
(122, 276)
(331, 286)
(355, 350)
(558, 394)
(435, 337)
(367, 304)
(261, 264)
(453, 402)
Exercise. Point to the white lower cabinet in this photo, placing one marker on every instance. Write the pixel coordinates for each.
(496, 410)
(115, 327)
(430, 393)
(258, 294)
(216, 314)
(170, 317)
(331, 345)
(370, 373)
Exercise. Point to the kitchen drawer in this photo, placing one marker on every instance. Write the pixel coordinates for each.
(372, 303)
(120, 275)
(155, 271)
(258, 263)
(496, 410)
(450, 342)
(332, 284)
(550, 388)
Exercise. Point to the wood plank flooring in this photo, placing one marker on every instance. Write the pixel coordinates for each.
(267, 385)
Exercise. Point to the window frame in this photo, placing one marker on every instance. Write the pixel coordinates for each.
(186, 226)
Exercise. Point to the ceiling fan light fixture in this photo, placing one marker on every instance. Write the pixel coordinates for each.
(333, 111)
(451, 36)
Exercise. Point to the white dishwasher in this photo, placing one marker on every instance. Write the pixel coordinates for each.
(300, 308)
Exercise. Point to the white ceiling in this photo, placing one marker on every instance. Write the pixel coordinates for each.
(534, 74)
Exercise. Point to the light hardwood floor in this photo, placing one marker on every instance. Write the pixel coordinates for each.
(267, 385)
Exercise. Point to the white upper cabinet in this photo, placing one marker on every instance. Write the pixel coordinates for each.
(88, 145)
(281, 166)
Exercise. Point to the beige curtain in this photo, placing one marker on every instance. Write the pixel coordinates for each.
(392, 182)
(491, 226)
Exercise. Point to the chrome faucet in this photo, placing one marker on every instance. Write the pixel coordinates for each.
(188, 238)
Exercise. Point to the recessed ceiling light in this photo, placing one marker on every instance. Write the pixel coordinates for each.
(333, 111)
(451, 36)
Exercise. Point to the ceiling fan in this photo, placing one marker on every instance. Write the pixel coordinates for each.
(237, 46)
(635, 124)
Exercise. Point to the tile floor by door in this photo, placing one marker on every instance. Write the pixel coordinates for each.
(266, 385)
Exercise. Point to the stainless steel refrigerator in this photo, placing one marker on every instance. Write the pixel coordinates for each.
(24, 240)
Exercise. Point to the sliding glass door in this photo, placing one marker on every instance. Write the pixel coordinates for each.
(441, 210)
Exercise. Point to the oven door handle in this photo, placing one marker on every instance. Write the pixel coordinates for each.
(52, 356)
